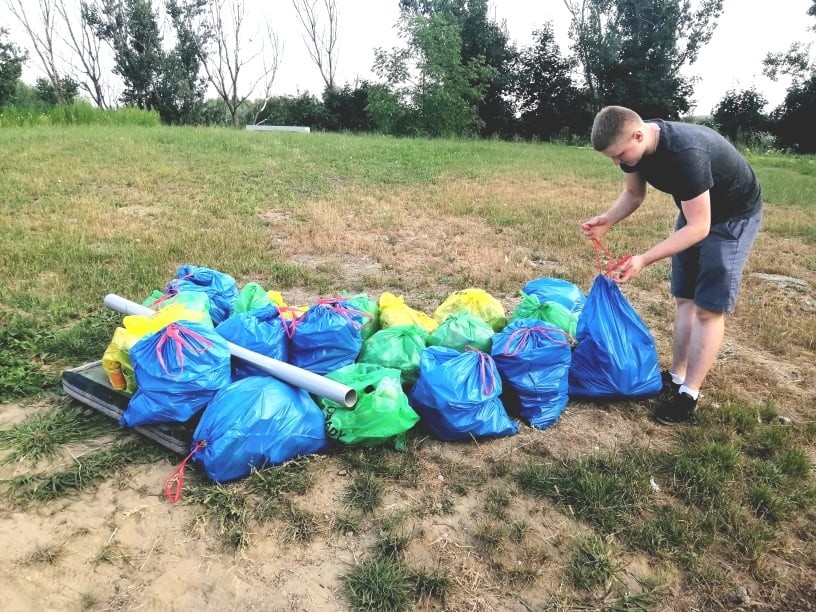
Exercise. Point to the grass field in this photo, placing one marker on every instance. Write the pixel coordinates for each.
(566, 518)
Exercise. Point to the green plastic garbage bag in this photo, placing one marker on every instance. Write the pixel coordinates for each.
(553, 313)
(363, 303)
(397, 347)
(461, 330)
(251, 297)
(381, 414)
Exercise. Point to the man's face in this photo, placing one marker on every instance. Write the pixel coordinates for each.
(628, 149)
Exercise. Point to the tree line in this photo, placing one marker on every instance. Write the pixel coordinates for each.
(455, 73)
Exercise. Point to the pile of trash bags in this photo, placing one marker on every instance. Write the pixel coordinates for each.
(467, 371)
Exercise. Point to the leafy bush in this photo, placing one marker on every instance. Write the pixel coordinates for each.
(739, 115)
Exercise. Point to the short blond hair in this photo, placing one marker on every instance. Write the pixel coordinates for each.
(609, 124)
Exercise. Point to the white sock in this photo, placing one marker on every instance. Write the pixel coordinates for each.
(693, 393)
(676, 378)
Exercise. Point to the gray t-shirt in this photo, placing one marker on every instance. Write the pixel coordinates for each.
(691, 159)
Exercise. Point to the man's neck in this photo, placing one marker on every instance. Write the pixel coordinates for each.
(654, 131)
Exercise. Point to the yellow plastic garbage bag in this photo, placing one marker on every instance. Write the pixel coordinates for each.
(394, 311)
(116, 360)
(477, 302)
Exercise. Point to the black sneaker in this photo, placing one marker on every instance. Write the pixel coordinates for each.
(670, 388)
(681, 408)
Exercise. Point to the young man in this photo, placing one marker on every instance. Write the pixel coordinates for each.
(720, 206)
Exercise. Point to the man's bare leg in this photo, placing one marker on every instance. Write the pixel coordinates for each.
(707, 332)
(683, 324)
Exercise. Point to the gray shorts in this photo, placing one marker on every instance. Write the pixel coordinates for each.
(710, 272)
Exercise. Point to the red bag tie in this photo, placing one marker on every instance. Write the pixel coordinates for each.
(174, 332)
(484, 370)
(526, 332)
(289, 325)
(169, 292)
(604, 256)
(334, 304)
(173, 284)
(173, 485)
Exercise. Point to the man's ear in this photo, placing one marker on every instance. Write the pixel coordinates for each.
(638, 135)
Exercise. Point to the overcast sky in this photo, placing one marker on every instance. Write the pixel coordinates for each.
(747, 31)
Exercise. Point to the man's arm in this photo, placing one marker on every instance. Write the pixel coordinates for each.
(632, 196)
(697, 212)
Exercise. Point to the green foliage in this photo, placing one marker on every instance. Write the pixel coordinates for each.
(703, 471)
(42, 435)
(633, 52)
(672, 532)
(77, 113)
(347, 108)
(600, 490)
(301, 526)
(20, 347)
(430, 583)
(482, 42)
(391, 545)
(738, 116)
(181, 89)
(549, 102)
(49, 554)
(378, 584)
(85, 474)
(12, 59)
(131, 29)
(228, 506)
(364, 492)
(592, 563)
(794, 125)
(444, 98)
(167, 82)
(292, 477)
(47, 94)
(304, 109)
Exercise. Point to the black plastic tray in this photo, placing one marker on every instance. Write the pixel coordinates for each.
(89, 385)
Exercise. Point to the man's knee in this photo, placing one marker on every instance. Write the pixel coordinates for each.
(706, 316)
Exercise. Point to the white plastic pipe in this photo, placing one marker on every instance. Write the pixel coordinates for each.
(304, 379)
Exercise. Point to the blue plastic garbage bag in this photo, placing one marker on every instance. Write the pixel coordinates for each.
(261, 330)
(533, 358)
(457, 395)
(256, 422)
(557, 290)
(325, 338)
(221, 288)
(178, 370)
(616, 355)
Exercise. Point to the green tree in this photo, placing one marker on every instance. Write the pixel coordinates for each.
(549, 103)
(631, 51)
(47, 93)
(347, 107)
(430, 78)
(12, 59)
(131, 28)
(792, 121)
(482, 41)
(739, 116)
(181, 86)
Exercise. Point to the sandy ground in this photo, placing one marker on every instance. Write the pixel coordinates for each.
(121, 546)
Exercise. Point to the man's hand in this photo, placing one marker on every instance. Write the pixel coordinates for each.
(629, 269)
(596, 227)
